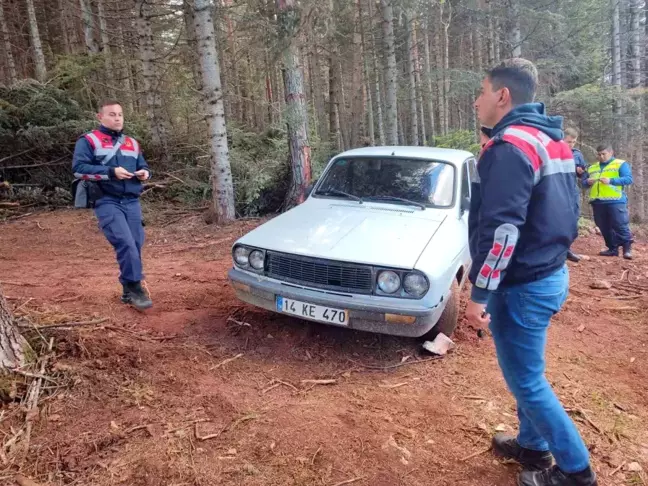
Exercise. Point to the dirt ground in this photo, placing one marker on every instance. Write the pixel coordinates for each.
(204, 390)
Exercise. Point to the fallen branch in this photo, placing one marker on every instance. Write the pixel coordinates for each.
(230, 426)
(582, 413)
(350, 481)
(225, 361)
(391, 367)
(276, 383)
(473, 397)
(9, 204)
(478, 453)
(319, 382)
(71, 324)
(13, 218)
(33, 394)
(617, 469)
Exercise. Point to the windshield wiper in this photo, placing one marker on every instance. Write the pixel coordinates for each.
(396, 199)
(335, 192)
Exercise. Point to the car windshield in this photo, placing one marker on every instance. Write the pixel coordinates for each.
(397, 181)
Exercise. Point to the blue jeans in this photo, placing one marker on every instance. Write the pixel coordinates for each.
(120, 219)
(520, 317)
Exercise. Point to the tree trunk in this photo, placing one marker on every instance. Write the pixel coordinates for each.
(367, 85)
(150, 79)
(376, 80)
(636, 36)
(491, 38)
(357, 98)
(419, 85)
(514, 34)
(221, 172)
(12, 344)
(616, 45)
(446, 65)
(297, 120)
(88, 27)
(190, 29)
(11, 64)
(411, 68)
(428, 83)
(63, 25)
(39, 57)
(125, 68)
(105, 46)
(391, 73)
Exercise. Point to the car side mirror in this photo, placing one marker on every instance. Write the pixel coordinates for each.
(465, 204)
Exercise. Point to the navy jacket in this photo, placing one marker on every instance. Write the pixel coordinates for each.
(545, 212)
(579, 159)
(624, 179)
(85, 163)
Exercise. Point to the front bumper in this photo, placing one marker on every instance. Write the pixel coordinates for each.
(399, 317)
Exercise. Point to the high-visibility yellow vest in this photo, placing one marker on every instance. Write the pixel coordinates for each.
(607, 192)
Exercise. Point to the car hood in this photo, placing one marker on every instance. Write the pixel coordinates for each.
(377, 235)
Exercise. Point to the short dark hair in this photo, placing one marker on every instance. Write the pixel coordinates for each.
(519, 76)
(107, 102)
(605, 146)
(571, 132)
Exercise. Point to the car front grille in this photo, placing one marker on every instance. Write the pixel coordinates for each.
(324, 274)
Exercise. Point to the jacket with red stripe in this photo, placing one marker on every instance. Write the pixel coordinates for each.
(524, 211)
(88, 161)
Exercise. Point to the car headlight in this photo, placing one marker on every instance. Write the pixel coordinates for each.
(416, 284)
(389, 282)
(257, 259)
(241, 256)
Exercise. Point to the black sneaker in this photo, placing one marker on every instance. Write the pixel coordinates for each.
(573, 257)
(136, 296)
(610, 253)
(507, 447)
(555, 477)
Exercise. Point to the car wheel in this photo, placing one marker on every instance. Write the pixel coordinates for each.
(447, 323)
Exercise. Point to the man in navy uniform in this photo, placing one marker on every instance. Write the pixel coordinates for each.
(114, 162)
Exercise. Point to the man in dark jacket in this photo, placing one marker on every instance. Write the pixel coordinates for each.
(523, 219)
(571, 137)
(118, 174)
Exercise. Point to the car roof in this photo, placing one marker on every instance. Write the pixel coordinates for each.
(456, 157)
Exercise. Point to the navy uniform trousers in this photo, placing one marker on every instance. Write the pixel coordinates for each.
(120, 219)
(614, 222)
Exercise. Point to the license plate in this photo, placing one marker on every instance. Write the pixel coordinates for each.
(312, 311)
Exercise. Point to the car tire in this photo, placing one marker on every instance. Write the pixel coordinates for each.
(447, 323)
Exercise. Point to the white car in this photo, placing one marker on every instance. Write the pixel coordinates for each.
(381, 244)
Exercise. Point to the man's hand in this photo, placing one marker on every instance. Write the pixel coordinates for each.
(580, 170)
(121, 173)
(591, 181)
(605, 180)
(142, 174)
(476, 315)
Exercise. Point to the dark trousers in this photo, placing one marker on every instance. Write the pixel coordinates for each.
(614, 222)
(120, 219)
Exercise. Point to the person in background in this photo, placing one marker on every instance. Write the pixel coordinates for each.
(120, 185)
(523, 219)
(571, 137)
(607, 180)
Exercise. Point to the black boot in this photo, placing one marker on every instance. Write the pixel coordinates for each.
(555, 477)
(573, 257)
(507, 447)
(136, 296)
(627, 251)
(610, 252)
